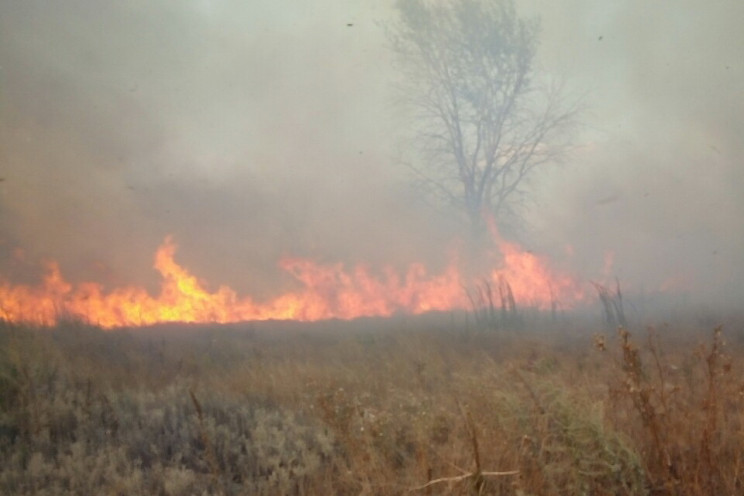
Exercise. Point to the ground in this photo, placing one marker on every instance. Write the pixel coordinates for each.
(429, 405)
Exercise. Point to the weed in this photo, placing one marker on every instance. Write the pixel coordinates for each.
(368, 411)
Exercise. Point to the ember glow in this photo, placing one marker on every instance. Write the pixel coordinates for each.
(325, 292)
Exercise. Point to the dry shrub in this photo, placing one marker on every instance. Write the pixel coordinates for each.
(360, 410)
(683, 411)
(65, 434)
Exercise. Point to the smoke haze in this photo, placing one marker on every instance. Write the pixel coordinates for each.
(253, 130)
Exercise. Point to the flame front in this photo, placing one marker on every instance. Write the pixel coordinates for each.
(327, 292)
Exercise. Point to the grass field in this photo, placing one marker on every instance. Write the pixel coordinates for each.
(380, 407)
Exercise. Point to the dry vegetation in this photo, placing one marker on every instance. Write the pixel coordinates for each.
(371, 407)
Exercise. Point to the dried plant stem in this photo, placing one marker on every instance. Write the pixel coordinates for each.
(477, 477)
(209, 449)
(707, 455)
(459, 478)
(530, 391)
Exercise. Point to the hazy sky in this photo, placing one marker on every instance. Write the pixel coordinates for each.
(254, 129)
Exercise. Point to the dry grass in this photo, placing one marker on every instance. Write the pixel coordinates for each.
(393, 407)
(684, 409)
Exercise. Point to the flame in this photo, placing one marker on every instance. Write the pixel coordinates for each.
(530, 277)
(523, 269)
(326, 292)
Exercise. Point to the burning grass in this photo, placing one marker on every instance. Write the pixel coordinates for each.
(321, 292)
(373, 407)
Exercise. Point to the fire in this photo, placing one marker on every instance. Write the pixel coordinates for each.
(532, 281)
(326, 292)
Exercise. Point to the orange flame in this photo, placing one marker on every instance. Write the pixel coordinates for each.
(531, 279)
(327, 292)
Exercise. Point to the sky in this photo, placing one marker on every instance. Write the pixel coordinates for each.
(253, 130)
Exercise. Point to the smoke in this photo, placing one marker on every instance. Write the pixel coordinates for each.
(656, 178)
(253, 130)
(245, 131)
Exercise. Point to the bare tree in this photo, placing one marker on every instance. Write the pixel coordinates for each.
(483, 125)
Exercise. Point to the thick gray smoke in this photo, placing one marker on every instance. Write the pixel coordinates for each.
(253, 130)
(658, 179)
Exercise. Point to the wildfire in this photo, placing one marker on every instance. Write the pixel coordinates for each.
(326, 292)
